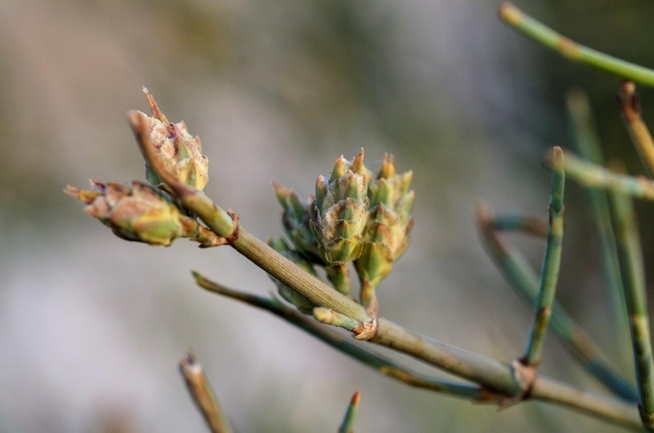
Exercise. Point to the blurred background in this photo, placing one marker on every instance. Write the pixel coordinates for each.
(92, 327)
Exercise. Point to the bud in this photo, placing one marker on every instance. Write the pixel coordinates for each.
(339, 211)
(296, 222)
(386, 235)
(180, 152)
(303, 304)
(141, 213)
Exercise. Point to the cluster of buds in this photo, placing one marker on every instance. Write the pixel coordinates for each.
(303, 304)
(141, 213)
(179, 151)
(339, 211)
(356, 216)
(386, 234)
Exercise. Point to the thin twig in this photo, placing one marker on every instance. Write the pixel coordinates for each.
(587, 142)
(203, 395)
(520, 223)
(551, 263)
(633, 279)
(378, 362)
(631, 114)
(524, 281)
(595, 176)
(607, 408)
(347, 426)
(547, 37)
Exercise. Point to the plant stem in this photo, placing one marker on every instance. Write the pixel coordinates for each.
(633, 279)
(544, 389)
(551, 263)
(631, 114)
(588, 145)
(549, 38)
(595, 176)
(202, 393)
(347, 426)
(525, 224)
(378, 362)
(524, 281)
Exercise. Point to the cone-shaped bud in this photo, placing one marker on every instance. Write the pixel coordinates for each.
(141, 213)
(340, 210)
(180, 152)
(303, 304)
(386, 235)
(296, 222)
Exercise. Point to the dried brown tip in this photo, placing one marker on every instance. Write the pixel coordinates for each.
(356, 398)
(628, 101)
(156, 112)
(357, 162)
(84, 195)
(484, 214)
(509, 13)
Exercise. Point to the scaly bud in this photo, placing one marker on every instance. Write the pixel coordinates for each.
(339, 211)
(180, 152)
(141, 213)
(303, 304)
(386, 235)
(296, 222)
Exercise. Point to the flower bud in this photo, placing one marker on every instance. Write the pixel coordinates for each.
(296, 222)
(386, 235)
(339, 211)
(303, 304)
(141, 213)
(180, 152)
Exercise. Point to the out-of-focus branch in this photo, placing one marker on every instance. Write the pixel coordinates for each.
(631, 114)
(551, 263)
(203, 395)
(540, 33)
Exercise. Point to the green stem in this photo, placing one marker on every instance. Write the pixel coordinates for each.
(547, 37)
(544, 389)
(339, 275)
(633, 279)
(524, 281)
(347, 426)
(383, 365)
(588, 145)
(202, 393)
(638, 132)
(525, 224)
(595, 176)
(551, 263)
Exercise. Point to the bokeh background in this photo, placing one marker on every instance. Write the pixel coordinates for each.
(92, 327)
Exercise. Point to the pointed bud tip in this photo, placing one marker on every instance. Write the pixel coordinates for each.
(357, 162)
(356, 398)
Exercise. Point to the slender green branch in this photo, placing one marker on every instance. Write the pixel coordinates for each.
(347, 426)
(631, 114)
(525, 224)
(588, 145)
(547, 37)
(633, 279)
(595, 176)
(607, 408)
(378, 362)
(524, 281)
(203, 395)
(551, 263)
